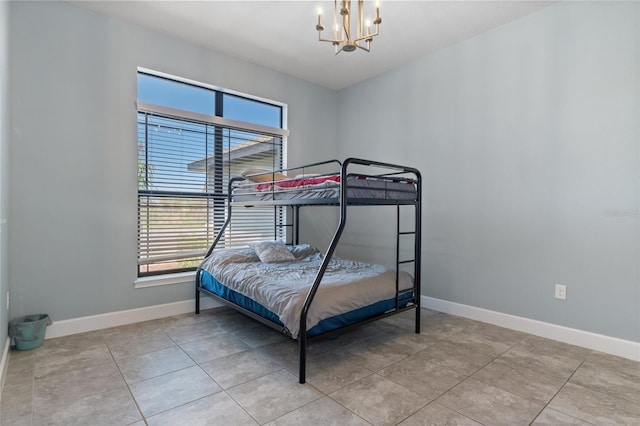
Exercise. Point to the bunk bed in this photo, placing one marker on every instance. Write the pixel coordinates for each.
(298, 290)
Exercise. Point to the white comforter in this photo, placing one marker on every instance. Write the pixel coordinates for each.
(282, 287)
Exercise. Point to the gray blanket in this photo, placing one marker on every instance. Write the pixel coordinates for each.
(282, 287)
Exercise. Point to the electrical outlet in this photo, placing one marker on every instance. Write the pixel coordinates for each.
(561, 292)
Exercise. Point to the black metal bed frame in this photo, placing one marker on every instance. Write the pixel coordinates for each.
(343, 201)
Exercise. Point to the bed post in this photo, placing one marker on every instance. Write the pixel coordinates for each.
(302, 333)
(418, 246)
(215, 241)
(302, 356)
(197, 291)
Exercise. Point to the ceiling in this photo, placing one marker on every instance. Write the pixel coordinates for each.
(281, 35)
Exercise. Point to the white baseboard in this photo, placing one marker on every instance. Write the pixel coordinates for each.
(4, 363)
(611, 345)
(599, 342)
(114, 319)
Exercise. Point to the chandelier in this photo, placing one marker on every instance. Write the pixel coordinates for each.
(344, 38)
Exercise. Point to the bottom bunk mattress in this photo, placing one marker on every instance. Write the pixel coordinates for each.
(350, 291)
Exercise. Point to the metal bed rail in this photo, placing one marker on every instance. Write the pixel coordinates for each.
(302, 337)
(343, 202)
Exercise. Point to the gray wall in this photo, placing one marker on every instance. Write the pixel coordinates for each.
(529, 142)
(73, 159)
(527, 136)
(4, 169)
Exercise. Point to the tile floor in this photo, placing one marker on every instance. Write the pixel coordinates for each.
(220, 368)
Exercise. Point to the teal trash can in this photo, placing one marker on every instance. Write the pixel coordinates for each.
(28, 331)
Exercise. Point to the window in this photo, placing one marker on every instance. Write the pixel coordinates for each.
(191, 140)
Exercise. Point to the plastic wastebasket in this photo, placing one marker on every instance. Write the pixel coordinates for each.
(28, 331)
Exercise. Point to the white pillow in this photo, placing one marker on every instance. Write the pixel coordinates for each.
(272, 251)
(303, 250)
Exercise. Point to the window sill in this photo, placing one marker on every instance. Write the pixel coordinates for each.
(168, 279)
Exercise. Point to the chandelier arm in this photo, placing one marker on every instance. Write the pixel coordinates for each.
(364, 37)
(344, 39)
(328, 40)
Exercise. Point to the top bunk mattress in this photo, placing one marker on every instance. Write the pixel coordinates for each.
(282, 287)
(359, 188)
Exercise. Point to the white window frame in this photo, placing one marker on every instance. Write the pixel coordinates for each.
(188, 276)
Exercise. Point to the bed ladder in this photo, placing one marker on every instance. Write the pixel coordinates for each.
(416, 254)
(417, 232)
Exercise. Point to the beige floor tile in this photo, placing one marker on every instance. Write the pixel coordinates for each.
(284, 353)
(489, 405)
(459, 357)
(271, 396)
(542, 346)
(173, 389)
(348, 337)
(550, 417)
(615, 363)
(423, 377)
(152, 364)
(620, 383)
(63, 354)
(435, 414)
(409, 342)
(337, 342)
(379, 401)
(19, 367)
(19, 363)
(216, 409)
(240, 368)
(131, 331)
(204, 315)
(80, 380)
(17, 399)
(407, 319)
(214, 347)
(329, 344)
(65, 388)
(441, 326)
(595, 407)
(23, 356)
(258, 335)
(330, 372)
(553, 364)
(127, 346)
(324, 411)
(501, 334)
(467, 324)
(381, 330)
(221, 313)
(374, 354)
(25, 420)
(526, 383)
(67, 344)
(198, 331)
(114, 407)
(476, 341)
(64, 360)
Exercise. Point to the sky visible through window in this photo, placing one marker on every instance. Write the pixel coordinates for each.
(173, 94)
(184, 164)
(176, 144)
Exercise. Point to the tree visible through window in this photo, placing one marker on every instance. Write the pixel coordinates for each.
(188, 148)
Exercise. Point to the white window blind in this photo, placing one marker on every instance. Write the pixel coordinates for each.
(185, 162)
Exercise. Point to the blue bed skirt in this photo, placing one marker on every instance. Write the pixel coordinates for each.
(211, 284)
